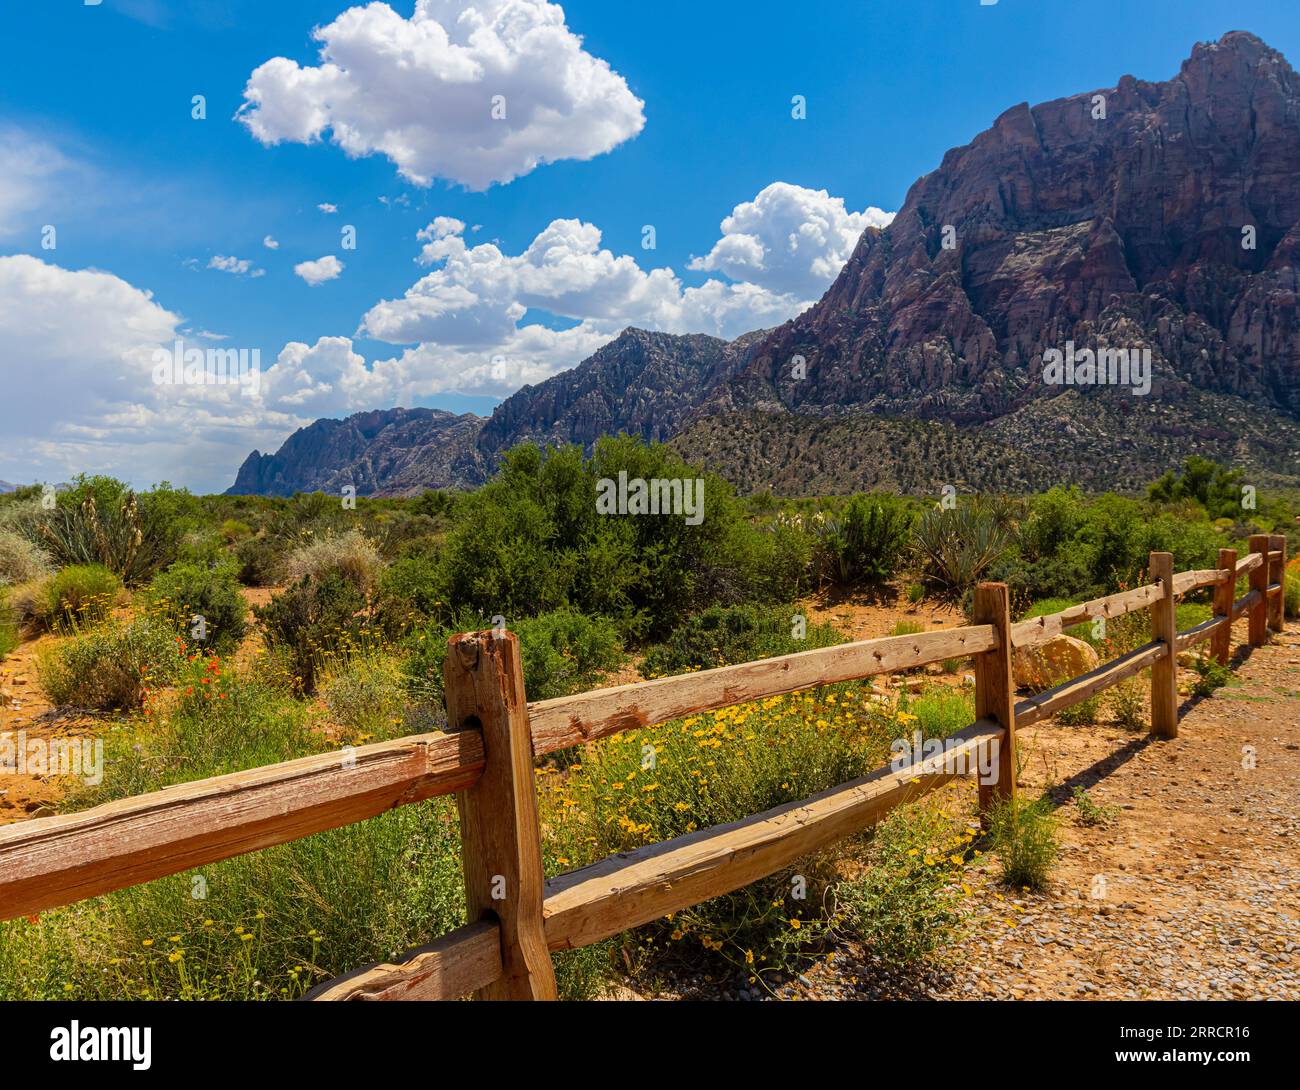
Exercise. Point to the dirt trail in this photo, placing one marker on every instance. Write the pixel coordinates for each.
(1191, 891)
(24, 708)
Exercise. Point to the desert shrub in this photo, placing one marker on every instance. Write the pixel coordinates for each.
(1127, 705)
(259, 559)
(1291, 591)
(21, 561)
(905, 906)
(9, 630)
(533, 540)
(312, 622)
(1081, 714)
(185, 591)
(938, 711)
(562, 652)
(645, 786)
(906, 628)
(724, 635)
(1024, 834)
(351, 556)
(1211, 675)
(367, 697)
(101, 521)
(1090, 813)
(865, 540)
(81, 595)
(915, 593)
(110, 666)
(956, 546)
(411, 594)
(1214, 488)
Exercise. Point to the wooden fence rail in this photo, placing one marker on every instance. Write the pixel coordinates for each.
(486, 756)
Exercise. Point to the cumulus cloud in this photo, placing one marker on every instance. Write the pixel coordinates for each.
(473, 93)
(236, 266)
(318, 271)
(328, 209)
(789, 239)
(270, 243)
(80, 394)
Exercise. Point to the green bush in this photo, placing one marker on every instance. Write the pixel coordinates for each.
(411, 594)
(905, 906)
(111, 666)
(81, 595)
(259, 560)
(1024, 835)
(725, 635)
(865, 541)
(1291, 593)
(939, 711)
(186, 591)
(311, 623)
(367, 697)
(563, 652)
(9, 637)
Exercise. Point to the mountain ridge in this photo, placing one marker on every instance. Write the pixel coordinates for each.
(1109, 218)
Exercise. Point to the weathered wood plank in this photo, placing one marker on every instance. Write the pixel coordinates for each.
(1164, 670)
(1187, 581)
(995, 693)
(633, 888)
(1276, 578)
(1037, 629)
(572, 720)
(1249, 563)
(1245, 602)
(1050, 701)
(460, 962)
(54, 861)
(501, 844)
(1221, 644)
(1197, 633)
(1259, 580)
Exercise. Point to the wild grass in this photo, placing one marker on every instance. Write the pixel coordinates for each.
(1024, 834)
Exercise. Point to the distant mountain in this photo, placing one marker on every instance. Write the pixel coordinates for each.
(5, 486)
(390, 452)
(1162, 217)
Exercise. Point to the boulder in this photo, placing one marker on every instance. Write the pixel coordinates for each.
(1051, 662)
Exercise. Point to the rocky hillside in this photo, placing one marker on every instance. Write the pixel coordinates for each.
(1125, 231)
(1148, 216)
(393, 452)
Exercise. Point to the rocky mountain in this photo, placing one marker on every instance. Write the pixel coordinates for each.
(1149, 217)
(389, 452)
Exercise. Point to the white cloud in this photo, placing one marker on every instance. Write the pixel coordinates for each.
(81, 394)
(79, 390)
(236, 266)
(789, 239)
(423, 91)
(328, 209)
(318, 271)
(270, 243)
(30, 167)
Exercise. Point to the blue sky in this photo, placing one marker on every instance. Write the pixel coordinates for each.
(695, 103)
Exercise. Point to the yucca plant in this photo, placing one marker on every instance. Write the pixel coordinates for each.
(957, 545)
(83, 534)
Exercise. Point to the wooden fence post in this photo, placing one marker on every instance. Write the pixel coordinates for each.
(1277, 574)
(1164, 671)
(1225, 594)
(1258, 613)
(995, 696)
(501, 846)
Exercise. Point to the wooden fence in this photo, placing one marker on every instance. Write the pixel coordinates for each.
(486, 759)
